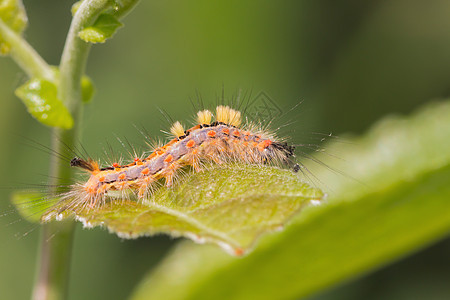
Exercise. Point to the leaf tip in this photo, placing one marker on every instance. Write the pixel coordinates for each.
(104, 28)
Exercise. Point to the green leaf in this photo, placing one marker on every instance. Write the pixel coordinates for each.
(104, 28)
(31, 205)
(13, 14)
(230, 206)
(401, 206)
(40, 98)
(87, 89)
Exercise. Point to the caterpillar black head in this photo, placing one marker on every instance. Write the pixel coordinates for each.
(81, 163)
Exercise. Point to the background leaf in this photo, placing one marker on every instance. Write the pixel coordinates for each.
(87, 89)
(230, 206)
(13, 14)
(104, 28)
(31, 205)
(40, 98)
(402, 206)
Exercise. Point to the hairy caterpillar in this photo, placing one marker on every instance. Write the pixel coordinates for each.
(218, 141)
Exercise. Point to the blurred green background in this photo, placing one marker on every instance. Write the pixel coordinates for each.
(350, 62)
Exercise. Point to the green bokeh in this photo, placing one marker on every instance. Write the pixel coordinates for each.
(350, 62)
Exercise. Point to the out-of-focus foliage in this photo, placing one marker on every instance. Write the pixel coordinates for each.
(87, 89)
(31, 205)
(13, 15)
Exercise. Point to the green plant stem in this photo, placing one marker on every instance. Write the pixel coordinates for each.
(56, 241)
(25, 55)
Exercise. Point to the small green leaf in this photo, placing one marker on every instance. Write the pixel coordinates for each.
(40, 98)
(104, 28)
(31, 205)
(87, 89)
(13, 14)
(230, 206)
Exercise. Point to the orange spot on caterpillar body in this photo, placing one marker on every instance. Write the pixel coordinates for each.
(190, 144)
(264, 144)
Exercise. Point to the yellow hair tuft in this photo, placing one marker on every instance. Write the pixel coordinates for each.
(204, 117)
(177, 129)
(234, 118)
(222, 114)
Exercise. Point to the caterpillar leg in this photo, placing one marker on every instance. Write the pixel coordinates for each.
(196, 165)
(169, 179)
(194, 161)
(144, 187)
